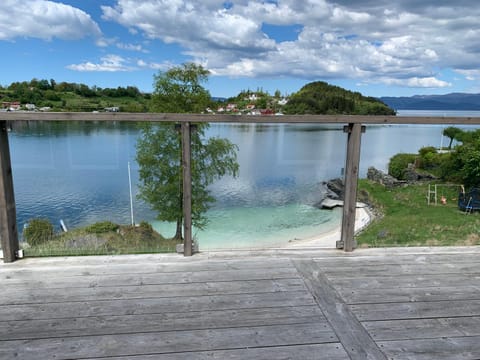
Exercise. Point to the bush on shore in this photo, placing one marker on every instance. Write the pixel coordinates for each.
(38, 231)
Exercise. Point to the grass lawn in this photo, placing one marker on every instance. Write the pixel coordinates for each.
(407, 219)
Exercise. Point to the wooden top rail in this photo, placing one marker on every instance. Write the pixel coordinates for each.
(226, 118)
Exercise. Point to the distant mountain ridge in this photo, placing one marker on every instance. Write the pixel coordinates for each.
(453, 101)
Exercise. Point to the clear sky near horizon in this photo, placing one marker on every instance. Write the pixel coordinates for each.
(376, 47)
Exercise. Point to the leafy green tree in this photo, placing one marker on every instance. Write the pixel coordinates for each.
(453, 133)
(179, 90)
(463, 164)
(159, 150)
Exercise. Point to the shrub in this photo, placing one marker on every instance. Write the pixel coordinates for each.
(429, 158)
(146, 228)
(101, 227)
(399, 163)
(427, 150)
(38, 231)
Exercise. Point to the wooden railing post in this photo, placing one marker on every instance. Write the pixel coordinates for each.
(8, 216)
(187, 189)
(352, 164)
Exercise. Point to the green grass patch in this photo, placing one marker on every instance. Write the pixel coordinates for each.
(123, 240)
(407, 219)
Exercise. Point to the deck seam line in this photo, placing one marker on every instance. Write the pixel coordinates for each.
(355, 339)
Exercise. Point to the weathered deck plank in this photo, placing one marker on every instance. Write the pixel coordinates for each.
(168, 321)
(300, 352)
(153, 306)
(416, 310)
(410, 304)
(167, 342)
(457, 348)
(109, 280)
(409, 294)
(413, 329)
(16, 296)
(328, 351)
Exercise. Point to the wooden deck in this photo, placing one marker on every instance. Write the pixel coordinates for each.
(410, 303)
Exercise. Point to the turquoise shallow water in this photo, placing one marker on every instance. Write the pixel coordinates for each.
(260, 227)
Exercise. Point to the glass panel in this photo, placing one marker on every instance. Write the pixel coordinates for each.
(76, 174)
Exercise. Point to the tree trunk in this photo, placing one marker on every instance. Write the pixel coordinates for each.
(178, 233)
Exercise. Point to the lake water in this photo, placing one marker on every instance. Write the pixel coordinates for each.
(79, 173)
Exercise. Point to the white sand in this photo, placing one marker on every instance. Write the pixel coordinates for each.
(329, 239)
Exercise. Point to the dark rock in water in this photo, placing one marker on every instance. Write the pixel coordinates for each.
(332, 189)
(336, 189)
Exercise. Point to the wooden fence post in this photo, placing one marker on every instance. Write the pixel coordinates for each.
(354, 131)
(187, 189)
(8, 216)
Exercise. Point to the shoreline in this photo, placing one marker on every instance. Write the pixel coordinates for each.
(328, 239)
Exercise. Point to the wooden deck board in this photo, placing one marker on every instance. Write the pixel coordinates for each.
(124, 324)
(15, 296)
(411, 304)
(300, 352)
(170, 341)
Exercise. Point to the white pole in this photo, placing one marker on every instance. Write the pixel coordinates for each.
(131, 198)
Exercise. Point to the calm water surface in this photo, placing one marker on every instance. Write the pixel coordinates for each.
(78, 173)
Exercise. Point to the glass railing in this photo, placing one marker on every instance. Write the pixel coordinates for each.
(81, 178)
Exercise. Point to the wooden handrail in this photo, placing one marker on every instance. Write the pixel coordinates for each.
(226, 118)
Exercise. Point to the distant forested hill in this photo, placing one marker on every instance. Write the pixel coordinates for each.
(64, 96)
(322, 98)
(453, 101)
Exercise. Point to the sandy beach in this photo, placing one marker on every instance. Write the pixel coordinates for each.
(329, 239)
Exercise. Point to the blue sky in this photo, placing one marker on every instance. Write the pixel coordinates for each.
(376, 47)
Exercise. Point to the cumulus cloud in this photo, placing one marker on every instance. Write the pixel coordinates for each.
(425, 82)
(154, 66)
(44, 19)
(394, 42)
(131, 47)
(109, 63)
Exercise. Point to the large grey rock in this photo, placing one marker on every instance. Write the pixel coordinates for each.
(335, 189)
(380, 177)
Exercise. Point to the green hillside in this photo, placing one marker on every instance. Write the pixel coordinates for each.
(322, 98)
(313, 98)
(65, 96)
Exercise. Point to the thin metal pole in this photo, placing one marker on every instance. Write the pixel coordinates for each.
(187, 189)
(131, 197)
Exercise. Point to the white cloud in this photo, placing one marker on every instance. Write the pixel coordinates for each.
(470, 75)
(109, 63)
(44, 20)
(154, 66)
(383, 41)
(426, 82)
(131, 47)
